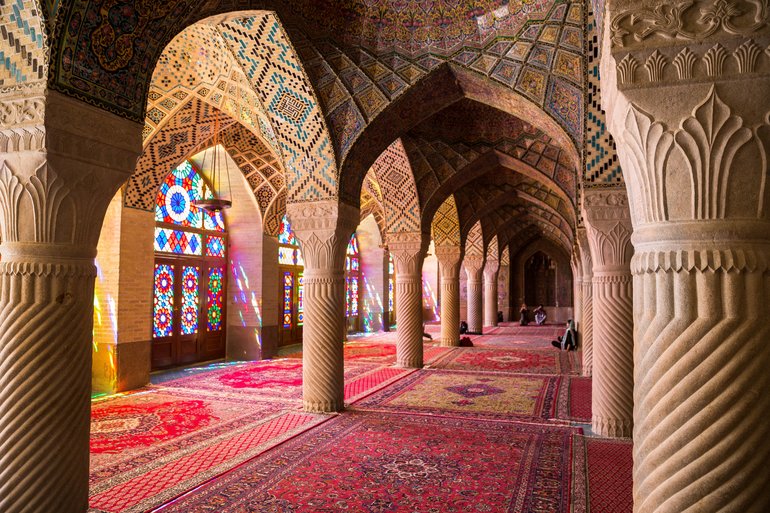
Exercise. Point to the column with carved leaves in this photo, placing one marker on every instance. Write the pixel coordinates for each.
(449, 257)
(608, 227)
(586, 329)
(408, 251)
(577, 286)
(686, 94)
(474, 267)
(323, 229)
(61, 163)
(491, 268)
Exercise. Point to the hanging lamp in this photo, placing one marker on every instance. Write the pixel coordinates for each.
(216, 203)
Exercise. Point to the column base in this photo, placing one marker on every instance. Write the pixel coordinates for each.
(449, 342)
(410, 364)
(323, 406)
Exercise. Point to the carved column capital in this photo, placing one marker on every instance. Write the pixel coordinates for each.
(491, 266)
(408, 251)
(449, 258)
(473, 265)
(608, 222)
(323, 229)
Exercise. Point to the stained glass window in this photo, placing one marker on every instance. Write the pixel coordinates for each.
(214, 299)
(163, 320)
(352, 277)
(287, 235)
(190, 299)
(196, 238)
(288, 290)
(300, 299)
(177, 241)
(391, 285)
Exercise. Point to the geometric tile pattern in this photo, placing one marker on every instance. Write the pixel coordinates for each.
(23, 57)
(184, 135)
(271, 65)
(474, 242)
(371, 201)
(446, 224)
(601, 161)
(493, 253)
(274, 215)
(505, 258)
(399, 191)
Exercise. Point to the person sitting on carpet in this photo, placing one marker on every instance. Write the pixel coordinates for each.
(540, 315)
(463, 327)
(524, 312)
(568, 341)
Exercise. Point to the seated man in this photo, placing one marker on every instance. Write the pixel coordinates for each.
(568, 341)
(540, 315)
(523, 321)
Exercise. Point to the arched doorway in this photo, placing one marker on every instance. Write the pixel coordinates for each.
(540, 280)
(291, 288)
(189, 274)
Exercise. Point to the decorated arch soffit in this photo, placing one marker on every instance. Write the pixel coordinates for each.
(505, 256)
(24, 45)
(371, 202)
(446, 224)
(493, 252)
(474, 242)
(399, 192)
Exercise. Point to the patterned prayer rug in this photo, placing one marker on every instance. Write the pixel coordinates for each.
(470, 394)
(532, 361)
(513, 341)
(610, 466)
(574, 403)
(368, 463)
(149, 447)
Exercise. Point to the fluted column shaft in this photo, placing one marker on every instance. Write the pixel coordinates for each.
(504, 291)
(323, 229)
(62, 163)
(609, 235)
(408, 252)
(586, 327)
(490, 293)
(449, 266)
(473, 269)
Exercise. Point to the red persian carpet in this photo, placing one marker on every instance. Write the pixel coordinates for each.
(366, 463)
(575, 399)
(469, 394)
(149, 447)
(545, 361)
(610, 466)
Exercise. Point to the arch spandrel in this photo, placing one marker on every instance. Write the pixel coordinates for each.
(445, 227)
(25, 44)
(393, 173)
(474, 241)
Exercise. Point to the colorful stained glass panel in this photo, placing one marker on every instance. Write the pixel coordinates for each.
(286, 236)
(190, 299)
(286, 256)
(163, 303)
(177, 241)
(300, 300)
(214, 298)
(177, 192)
(288, 289)
(215, 246)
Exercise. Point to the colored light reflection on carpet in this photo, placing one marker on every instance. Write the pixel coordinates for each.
(365, 462)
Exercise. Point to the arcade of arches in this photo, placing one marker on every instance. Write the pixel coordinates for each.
(390, 164)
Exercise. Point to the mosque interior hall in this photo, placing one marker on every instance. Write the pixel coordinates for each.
(384, 256)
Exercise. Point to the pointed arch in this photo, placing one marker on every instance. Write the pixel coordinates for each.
(474, 242)
(445, 227)
(399, 191)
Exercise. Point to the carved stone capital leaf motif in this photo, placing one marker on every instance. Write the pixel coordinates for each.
(323, 229)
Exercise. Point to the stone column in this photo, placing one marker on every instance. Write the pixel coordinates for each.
(408, 250)
(586, 330)
(608, 223)
(474, 266)
(449, 266)
(503, 291)
(490, 292)
(577, 287)
(687, 101)
(61, 163)
(323, 229)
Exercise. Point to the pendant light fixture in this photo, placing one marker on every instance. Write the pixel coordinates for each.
(219, 172)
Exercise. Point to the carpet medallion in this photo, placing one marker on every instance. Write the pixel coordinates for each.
(472, 394)
(546, 361)
(366, 463)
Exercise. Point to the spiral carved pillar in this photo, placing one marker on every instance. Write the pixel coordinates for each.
(609, 235)
(323, 229)
(449, 265)
(474, 266)
(577, 287)
(62, 163)
(503, 291)
(490, 292)
(696, 166)
(586, 329)
(408, 250)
